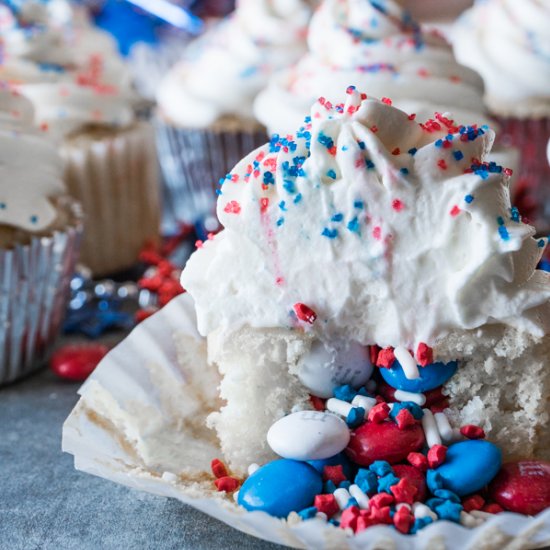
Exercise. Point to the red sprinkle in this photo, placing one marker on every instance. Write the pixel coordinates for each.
(418, 460)
(326, 504)
(472, 432)
(493, 508)
(397, 205)
(349, 518)
(379, 413)
(227, 484)
(264, 205)
(404, 419)
(232, 207)
(381, 500)
(404, 491)
(380, 515)
(455, 211)
(396, 151)
(334, 474)
(442, 164)
(403, 520)
(424, 354)
(508, 172)
(218, 468)
(377, 232)
(305, 313)
(412, 116)
(317, 402)
(436, 455)
(474, 502)
(386, 358)
(386, 100)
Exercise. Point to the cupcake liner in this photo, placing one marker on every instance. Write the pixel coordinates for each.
(34, 290)
(531, 192)
(192, 163)
(141, 376)
(114, 174)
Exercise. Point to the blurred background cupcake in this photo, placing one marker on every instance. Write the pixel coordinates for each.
(83, 100)
(40, 227)
(508, 43)
(205, 121)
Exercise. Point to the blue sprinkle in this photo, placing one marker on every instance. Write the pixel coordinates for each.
(447, 495)
(541, 243)
(308, 513)
(330, 233)
(282, 206)
(434, 481)
(381, 468)
(344, 147)
(439, 143)
(358, 204)
(353, 225)
(500, 220)
(344, 393)
(362, 145)
(337, 217)
(503, 232)
(458, 155)
(356, 417)
(334, 522)
(404, 171)
(3, 205)
(344, 484)
(329, 487)
(469, 198)
(433, 502)
(514, 214)
(34, 219)
(385, 482)
(297, 198)
(449, 510)
(420, 523)
(331, 174)
(412, 151)
(369, 163)
(366, 480)
(280, 222)
(352, 502)
(268, 178)
(413, 408)
(289, 187)
(325, 140)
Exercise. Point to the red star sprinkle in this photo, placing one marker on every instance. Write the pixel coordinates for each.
(436, 455)
(404, 491)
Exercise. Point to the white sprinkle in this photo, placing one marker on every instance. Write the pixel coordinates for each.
(252, 468)
(362, 499)
(467, 519)
(408, 362)
(430, 429)
(362, 401)
(339, 407)
(321, 515)
(420, 510)
(418, 398)
(480, 514)
(443, 426)
(169, 477)
(401, 505)
(342, 497)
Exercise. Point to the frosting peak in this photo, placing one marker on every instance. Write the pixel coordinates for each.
(393, 232)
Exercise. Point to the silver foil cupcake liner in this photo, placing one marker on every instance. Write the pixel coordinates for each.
(192, 163)
(34, 290)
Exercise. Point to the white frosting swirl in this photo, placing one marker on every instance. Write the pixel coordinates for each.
(375, 46)
(387, 229)
(508, 43)
(31, 170)
(224, 70)
(69, 70)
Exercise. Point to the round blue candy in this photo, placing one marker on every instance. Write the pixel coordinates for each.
(281, 487)
(431, 376)
(469, 466)
(340, 458)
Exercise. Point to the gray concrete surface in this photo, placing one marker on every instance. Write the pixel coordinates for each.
(45, 504)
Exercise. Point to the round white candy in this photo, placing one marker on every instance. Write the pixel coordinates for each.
(308, 435)
(323, 368)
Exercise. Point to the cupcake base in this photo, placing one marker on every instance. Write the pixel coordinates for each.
(34, 289)
(193, 160)
(114, 174)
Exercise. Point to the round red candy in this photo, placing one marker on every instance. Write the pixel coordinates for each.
(414, 476)
(522, 487)
(77, 362)
(384, 441)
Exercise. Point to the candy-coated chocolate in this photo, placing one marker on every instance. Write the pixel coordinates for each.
(281, 487)
(384, 441)
(522, 487)
(415, 476)
(77, 362)
(469, 466)
(308, 435)
(431, 376)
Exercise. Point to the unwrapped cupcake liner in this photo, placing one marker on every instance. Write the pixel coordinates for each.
(531, 192)
(34, 291)
(114, 174)
(192, 162)
(141, 397)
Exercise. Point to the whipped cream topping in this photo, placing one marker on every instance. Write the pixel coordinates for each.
(393, 232)
(31, 170)
(375, 46)
(508, 43)
(69, 70)
(223, 70)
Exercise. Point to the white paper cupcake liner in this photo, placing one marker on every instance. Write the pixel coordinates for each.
(34, 290)
(192, 163)
(115, 177)
(134, 400)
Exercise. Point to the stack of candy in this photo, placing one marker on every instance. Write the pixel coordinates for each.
(386, 453)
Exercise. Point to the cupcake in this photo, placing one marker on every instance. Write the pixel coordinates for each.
(507, 43)
(205, 122)
(84, 102)
(40, 228)
(379, 329)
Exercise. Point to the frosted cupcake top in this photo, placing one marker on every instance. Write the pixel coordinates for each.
(376, 46)
(31, 170)
(69, 70)
(393, 232)
(224, 70)
(508, 43)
